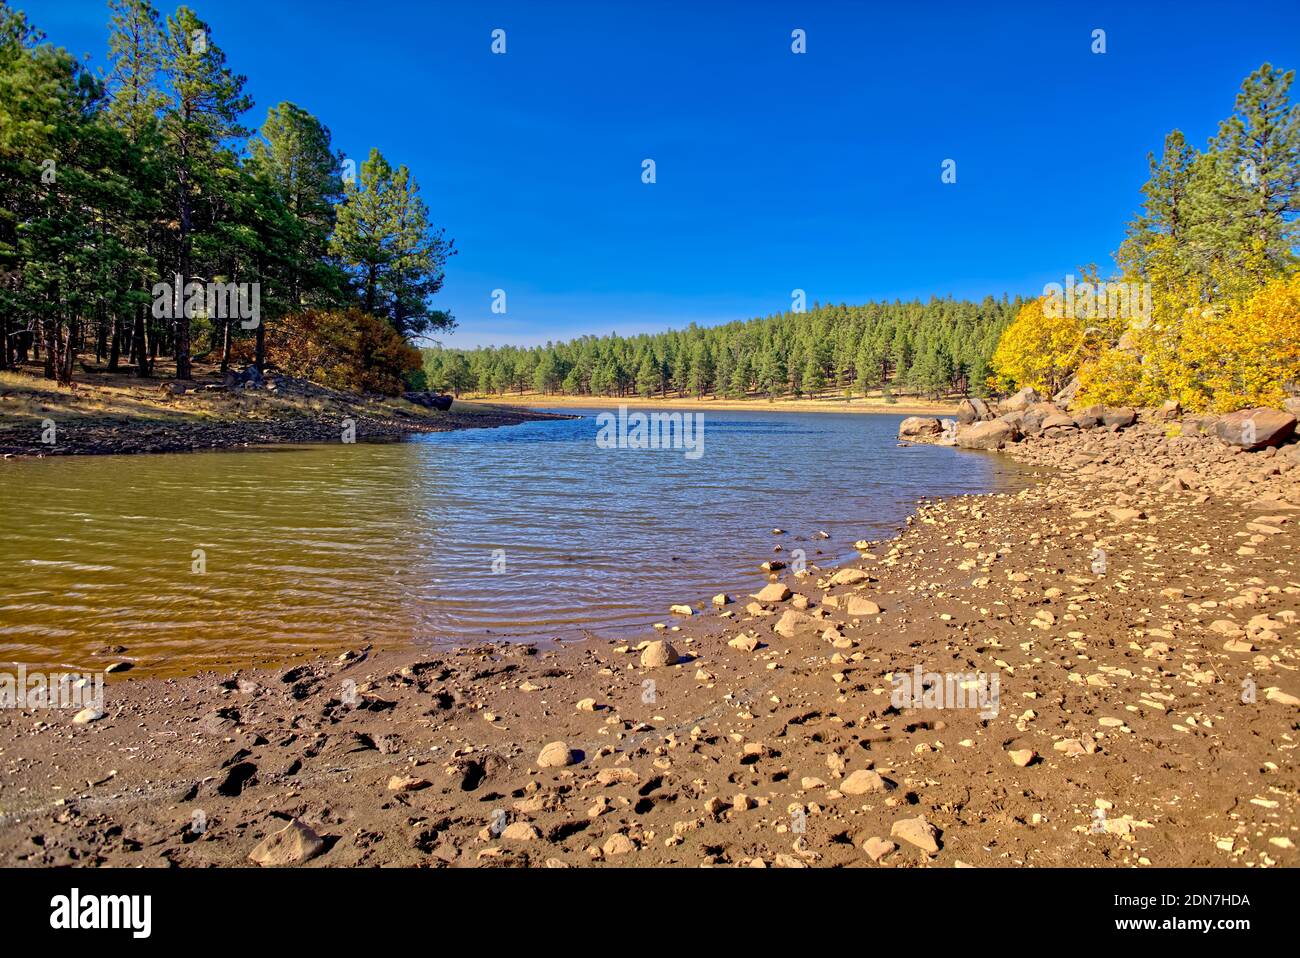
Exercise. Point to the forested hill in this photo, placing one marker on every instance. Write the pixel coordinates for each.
(935, 348)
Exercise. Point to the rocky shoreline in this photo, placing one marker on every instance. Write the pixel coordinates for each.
(1098, 670)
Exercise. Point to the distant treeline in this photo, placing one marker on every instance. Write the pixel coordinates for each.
(932, 349)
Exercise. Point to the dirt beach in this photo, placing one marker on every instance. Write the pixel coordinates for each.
(1124, 632)
(117, 414)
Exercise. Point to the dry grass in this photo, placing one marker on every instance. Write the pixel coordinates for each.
(26, 396)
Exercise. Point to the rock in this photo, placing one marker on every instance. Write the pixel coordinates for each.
(1256, 428)
(658, 654)
(877, 847)
(1292, 405)
(917, 831)
(859, 606)
(521, 832)
(1171, 409)
(557, 755)
(1058, 423)
(291, 845)
(746, 643)
(1022, 756)
(792, 621)
(1067, 393)
(987, 435)
(429, 400)
(973, 410)
(1280, 697)
(773, 592)
(1120, 514)
(863, 782)
(406, 783)
(681, 610)
(618, 844)
(87, 715)
(1021, 400)
(914, 427)
(849, 577)
(721, 599)
(1118, 417)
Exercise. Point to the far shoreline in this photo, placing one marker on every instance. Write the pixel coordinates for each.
(864, 406)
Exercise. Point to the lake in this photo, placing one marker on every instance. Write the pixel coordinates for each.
(531, 532)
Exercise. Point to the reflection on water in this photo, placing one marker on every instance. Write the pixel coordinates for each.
(529, 531)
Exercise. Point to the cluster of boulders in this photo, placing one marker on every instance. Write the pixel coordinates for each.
(980, 425)
(429, 400)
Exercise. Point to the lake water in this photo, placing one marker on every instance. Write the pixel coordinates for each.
(528, 532)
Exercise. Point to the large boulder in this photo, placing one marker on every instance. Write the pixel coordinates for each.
(919, 427)
(428, 400)
(1021, 400)
(1118, 417)
(993, 434)
(1256, 428)
(973, 410)
(1089, 417)
(1066, 396)
(1059, 424)
(1030, 420)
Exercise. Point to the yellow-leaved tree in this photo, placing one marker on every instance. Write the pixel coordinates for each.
(1245, 355)
(1041, 348)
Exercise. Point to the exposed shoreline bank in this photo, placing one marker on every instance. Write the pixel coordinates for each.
(870, 406)
(774, 739)
(119, 415)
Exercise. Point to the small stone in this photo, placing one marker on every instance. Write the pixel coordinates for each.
(773, 592)
(858, 606)
(556, 755)
(1022, 756)
(406, 783)
(863, 782)
(658, 654)
(877, 847)
(618, 844)
(746, 643)
(291, 845)
(87, 715)
(916, 831)
(521, 832)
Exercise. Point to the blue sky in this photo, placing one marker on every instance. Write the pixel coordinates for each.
(775, 171)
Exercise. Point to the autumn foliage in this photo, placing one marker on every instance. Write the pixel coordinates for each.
(1041, 348)
(345, 349)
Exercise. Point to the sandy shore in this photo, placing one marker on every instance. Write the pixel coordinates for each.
(1142, 633)
(905, 407)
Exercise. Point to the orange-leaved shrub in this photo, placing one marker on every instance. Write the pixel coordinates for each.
(343, 349)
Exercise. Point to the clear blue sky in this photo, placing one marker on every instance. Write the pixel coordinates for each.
(775, 171)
